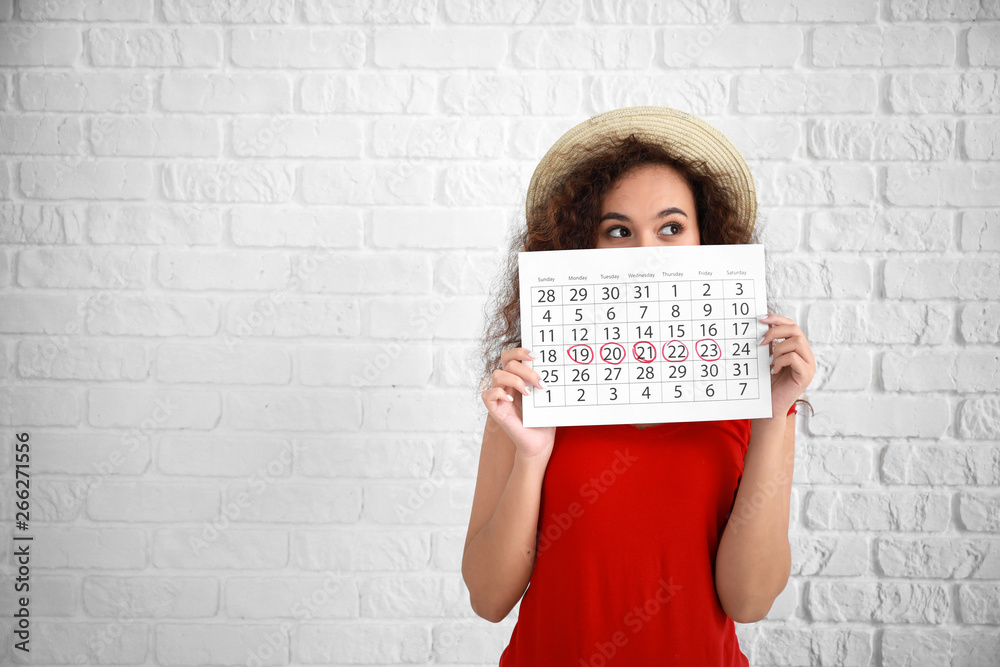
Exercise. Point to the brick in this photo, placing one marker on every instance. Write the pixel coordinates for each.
(834, 462)
(658, 13)
(28, 45)
(979, 418)
(446, 47)
(921, 278)
(984, 44)
(888, 416)
(75, 267)
(902, 510)
(151, 502)
(351, 183)
(877, 46)
(868, 230)
(283, 136)
(90, 458)
(431, 228)
(41, 224)
(40, 406)
(515, 12)
(252, 410)
(950, 463)
(981, 139)
(408, 596)
(979, 603)
(371, 456)
(722, 45)
(827, 278)
(155, 224)
(409, 410)
(578, 49)
(86, 179)
(370, 643)
(416, 138)
(838, 184)
(420, 318)
(980, 231)
(173, 137)
(155, 47)
(311, 227)
(510, 94)
(369, 92)
(83, 360)
(382, 11)
(303, 598)
(912, 140)
(979, 511)
(882, 602)
(52, 596)
(431, 501)
(793, 92)
(298, 48)
(291, 316)
(786, 644)
(370, 273)
(215, 364)
(392, 364)
(979, 322)
(64, 642)
(702, 94)
(938, 557)
(152, 596)
(228, 182)
(938, 646)
(220, 644)
(854, 11)
(951, 10)
(41, 314)
(75, 547)
(221, 456)
(945, 185)
(36, 134)
(153, 316)
(948, 93)
(226, 93)
(97, 92)
(150, 409)
(762, 138)
(360, 551)
(52, 500)
(220, 547)
(265, 500)
(228, 270)
(829, 555)
(82, 10)
(253, 11)
(483, 184)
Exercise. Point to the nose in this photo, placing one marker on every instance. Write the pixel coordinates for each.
(645, 238)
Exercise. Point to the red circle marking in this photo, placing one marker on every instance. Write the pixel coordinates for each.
(716, 345)
(590, 349)
(651, 346)
(687, 352)
(614, 363)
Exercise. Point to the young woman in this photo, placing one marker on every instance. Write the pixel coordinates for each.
(642, 543)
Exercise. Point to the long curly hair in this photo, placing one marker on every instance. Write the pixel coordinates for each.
(569, 220)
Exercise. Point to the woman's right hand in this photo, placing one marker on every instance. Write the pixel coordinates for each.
(503, 400)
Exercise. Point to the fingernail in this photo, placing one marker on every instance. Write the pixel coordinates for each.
(531, 356)
(509, 397)
(541, 385)
(526, 391)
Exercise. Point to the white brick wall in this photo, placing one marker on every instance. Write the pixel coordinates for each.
(244, 248)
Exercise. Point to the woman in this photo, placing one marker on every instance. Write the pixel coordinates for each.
(642, 543)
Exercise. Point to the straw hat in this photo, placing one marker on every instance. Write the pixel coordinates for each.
(680, 132)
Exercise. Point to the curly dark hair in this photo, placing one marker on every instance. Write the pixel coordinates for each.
(569, 220)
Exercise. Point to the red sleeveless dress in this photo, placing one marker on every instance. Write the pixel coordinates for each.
(629, 526)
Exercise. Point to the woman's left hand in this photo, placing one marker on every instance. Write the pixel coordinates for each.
(794, 364)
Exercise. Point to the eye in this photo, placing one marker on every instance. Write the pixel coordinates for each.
(678, 227)
(624, 231)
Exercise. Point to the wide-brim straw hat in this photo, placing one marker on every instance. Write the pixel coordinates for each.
(681, 133)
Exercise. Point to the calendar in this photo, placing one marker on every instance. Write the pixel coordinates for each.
(645, 334)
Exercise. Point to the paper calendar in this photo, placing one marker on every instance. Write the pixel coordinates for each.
(645, 335)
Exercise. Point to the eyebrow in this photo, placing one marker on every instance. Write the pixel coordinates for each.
(611, 215)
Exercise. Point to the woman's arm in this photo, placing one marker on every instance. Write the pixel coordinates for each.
(754, 557)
